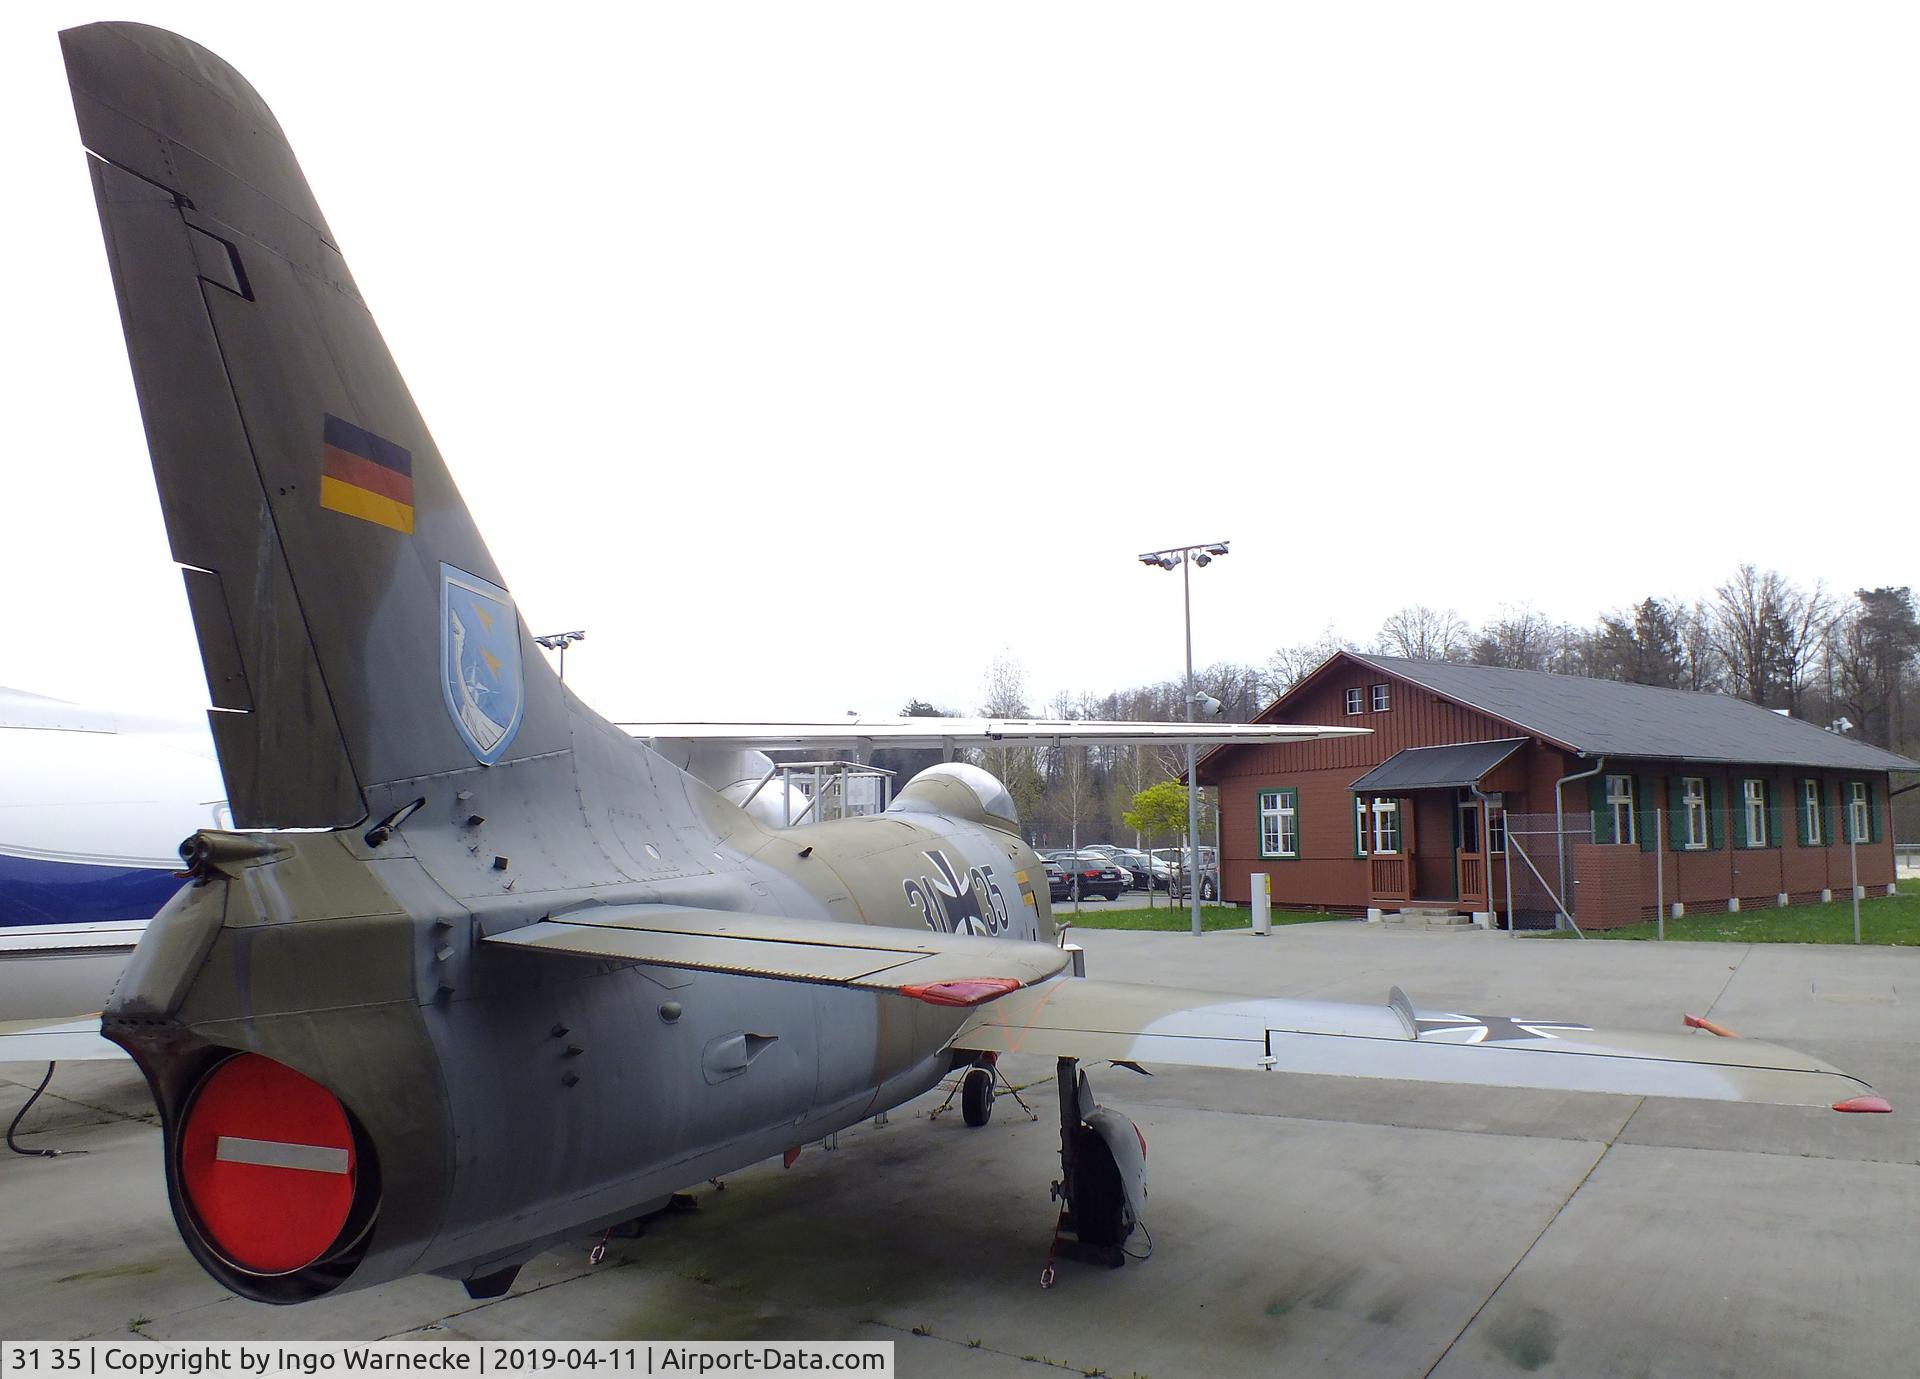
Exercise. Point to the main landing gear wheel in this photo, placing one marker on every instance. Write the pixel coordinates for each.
(976, 1096)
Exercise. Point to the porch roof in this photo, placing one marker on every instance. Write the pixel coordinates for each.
(1435, 768)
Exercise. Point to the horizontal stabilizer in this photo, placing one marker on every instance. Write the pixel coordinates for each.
(970, 732)
(1152, 1024)
(830, 952)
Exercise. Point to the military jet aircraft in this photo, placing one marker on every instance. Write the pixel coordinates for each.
(522, 977)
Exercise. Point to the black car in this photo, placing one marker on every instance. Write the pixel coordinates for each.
(1090, 874)
(1059, 885)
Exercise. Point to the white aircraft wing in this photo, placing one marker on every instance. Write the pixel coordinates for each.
(1116, 1021)
(69, 1041)
(971, 732)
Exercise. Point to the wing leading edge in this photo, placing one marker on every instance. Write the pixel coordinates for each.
(1145, 1024)
(970, 732)
(830, 952)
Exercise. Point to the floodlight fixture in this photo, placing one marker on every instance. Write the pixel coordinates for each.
(560, 641)
(1202, 559)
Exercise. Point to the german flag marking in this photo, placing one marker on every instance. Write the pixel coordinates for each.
(366, 476)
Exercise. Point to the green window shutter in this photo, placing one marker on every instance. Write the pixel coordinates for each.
(1738, 809)
(1802, 818)
(1643, 823)
(1774, 839)
(1715, 833)
(1597, 809)
(1676, 813)
(1873, 816)
(1826, 815)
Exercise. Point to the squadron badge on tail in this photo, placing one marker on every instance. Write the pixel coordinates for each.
(480, 673)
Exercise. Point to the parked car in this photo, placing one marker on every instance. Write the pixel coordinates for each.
(1093, 873)
(1115, 854)
(1149, 872)
(1176, 860)
(1059, 886)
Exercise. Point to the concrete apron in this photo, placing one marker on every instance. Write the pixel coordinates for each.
(1299, 1225)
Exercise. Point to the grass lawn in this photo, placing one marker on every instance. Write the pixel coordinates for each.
(1179, 920)
(1892, 919)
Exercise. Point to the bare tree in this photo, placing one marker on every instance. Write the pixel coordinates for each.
(1520, 639)
(1421, 633)
(1770, 634)
(1289, 665)
(1005, 692)
(1702, 667)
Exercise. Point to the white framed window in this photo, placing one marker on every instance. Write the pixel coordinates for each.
(1620, 809)
(1693, 813)
(1361, 827)
(1859, 811)
(1753, 795)
(1496, 831)
(1356, 701)
(1813, 827)
(1386, 825)
(1280, 823)
(1379, 698)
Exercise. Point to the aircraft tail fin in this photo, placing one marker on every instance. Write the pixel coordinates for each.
(354, 629)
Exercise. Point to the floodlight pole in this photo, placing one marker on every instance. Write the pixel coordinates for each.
(1206, 552)
(1193, 799)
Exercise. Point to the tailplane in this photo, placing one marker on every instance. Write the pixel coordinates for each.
(354, 629)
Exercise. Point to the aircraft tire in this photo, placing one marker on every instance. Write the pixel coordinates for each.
(976, 1096)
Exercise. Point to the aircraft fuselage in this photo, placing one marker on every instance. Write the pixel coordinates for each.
(501, 1100)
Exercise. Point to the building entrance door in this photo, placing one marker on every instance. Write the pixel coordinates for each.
(1389, 852)
(1433, 853)
(1469, 858)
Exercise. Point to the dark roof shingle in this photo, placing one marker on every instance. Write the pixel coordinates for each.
(1605, 717)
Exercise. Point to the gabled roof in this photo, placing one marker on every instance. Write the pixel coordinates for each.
(1594, 718)
(1608, 718)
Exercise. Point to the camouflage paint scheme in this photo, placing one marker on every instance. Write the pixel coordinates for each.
(551, 989)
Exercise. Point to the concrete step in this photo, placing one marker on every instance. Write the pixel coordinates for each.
(1433, 919)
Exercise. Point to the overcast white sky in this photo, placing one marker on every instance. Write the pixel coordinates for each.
(810, 356)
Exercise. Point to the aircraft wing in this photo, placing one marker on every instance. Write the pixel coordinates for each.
(946, 969)
(1089, 1019)
(971, 732)
(70, 1041)
(1022, 1003)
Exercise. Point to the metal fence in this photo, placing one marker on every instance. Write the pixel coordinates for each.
(1582, 870)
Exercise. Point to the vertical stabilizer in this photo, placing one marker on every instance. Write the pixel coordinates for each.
(354, 629)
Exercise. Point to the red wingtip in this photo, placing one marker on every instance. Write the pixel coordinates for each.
(1876, 1104)
(969, 992)
(1699, 1022)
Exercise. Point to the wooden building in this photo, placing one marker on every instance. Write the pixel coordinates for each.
(1619, 798)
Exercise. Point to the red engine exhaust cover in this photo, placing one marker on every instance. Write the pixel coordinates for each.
(267, 1165)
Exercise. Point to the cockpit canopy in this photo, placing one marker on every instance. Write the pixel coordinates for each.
(954, 787)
